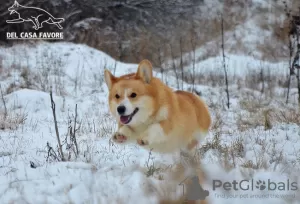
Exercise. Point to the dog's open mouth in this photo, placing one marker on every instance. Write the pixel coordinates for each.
(125, 119)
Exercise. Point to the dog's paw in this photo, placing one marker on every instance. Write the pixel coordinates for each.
(119, 138)
(142, 142)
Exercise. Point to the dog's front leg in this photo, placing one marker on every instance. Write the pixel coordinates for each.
(33, 20)
(123, 134)
(154, 134)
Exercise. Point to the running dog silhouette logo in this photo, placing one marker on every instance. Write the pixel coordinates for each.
(35, 15)
(38, 17)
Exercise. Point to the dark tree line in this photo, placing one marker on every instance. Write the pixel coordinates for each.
(115, 16)
(294, 48)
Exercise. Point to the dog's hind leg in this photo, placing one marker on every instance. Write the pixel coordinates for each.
(33, 20)
(192, 144)
(19, 20)
(36, 19)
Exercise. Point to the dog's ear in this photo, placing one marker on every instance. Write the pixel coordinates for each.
(145, 71)
(16, 3)
(109, 78)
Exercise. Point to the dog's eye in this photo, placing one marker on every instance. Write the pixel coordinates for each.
(133, 95)
(117, 96)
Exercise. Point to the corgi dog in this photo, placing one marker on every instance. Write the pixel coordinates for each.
(154, 116)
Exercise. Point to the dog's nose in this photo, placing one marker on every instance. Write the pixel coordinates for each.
(121, 110)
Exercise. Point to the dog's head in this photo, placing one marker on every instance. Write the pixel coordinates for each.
(14, 7)
(131, 96)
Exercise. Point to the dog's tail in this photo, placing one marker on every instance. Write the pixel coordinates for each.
(57, 20)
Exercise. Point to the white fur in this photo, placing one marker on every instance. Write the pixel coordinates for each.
(162, 113)
(200, 135)
(155, 134)
(144, 112)
(126, 102)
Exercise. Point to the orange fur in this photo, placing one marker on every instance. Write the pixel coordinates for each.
(166, 120)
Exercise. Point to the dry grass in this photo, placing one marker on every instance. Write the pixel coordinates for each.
(261, 163)
(288, 116)
(217, 121)
(12, 121)
(253, 103)
(256, 112)
(245, 122)
(26, 82)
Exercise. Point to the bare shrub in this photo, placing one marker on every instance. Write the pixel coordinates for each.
(4, 103)
(9, 118)
(60, 151)
(213, 79)
(217, 122)
(12, 121)
(288, 116)
(267, 121)
(253, 103)
(224, 62)
(70, 138)
(228, 154)
(215, 144)
(248, 121)
(237, 148)
(107, 127)
(248, 164)
(151, 168)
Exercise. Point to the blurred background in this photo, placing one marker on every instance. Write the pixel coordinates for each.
(131, 30)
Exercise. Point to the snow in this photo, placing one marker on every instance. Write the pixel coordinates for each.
(250, 42)
(239, 66)
(108, 173)
(85, 24)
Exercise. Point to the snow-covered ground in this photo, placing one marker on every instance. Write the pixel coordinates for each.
(237, 148)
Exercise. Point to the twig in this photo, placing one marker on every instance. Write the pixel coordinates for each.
(149, 157)
(174, 66)
(56, 127)
(224, 63)
(51, 153)
(193, 44)
(181, 61)
(4, 103)
(74, 132)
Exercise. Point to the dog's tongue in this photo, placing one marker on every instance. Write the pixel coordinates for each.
(124, 119)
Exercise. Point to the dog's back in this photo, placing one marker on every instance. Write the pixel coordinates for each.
(201, 110)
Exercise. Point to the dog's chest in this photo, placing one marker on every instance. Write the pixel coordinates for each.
(138, 131)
